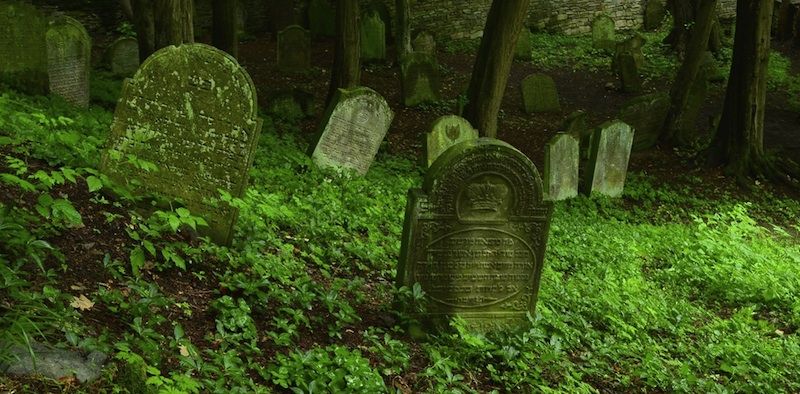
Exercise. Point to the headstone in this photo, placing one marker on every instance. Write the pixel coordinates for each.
(53, 363)
(539, 94)
(561, 163)
(424, 42)
(646, 114)
(353, 128)
(420, 77)
(474, 237)
(524, 48)
(445, 132)
(23, 50)
(632, 45)
(712, 71)
(608, 159)
(603, 36)
(322, 18)
(291, 105)
(373, 37)
(654, 13)
(68, 60)
(628, 73)
(576, 125)
(380, 7)
(294, 49)
(124, 56)
(192, 111)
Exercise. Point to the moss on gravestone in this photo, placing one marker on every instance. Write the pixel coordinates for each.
(539, 94)
(373, 37)
(420, 77)
(23, 50)
(445, 132)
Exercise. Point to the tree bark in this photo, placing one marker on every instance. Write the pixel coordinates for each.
(682, 17)
(493, 64)
(403, 12)
(346, 71)
(224, 34)
(687, 74)
(173, 22)
(144, 23)
(785, 23)
(127, 9)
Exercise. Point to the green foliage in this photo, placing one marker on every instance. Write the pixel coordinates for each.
(331, 369)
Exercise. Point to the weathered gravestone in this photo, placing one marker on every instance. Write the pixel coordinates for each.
(539, 94)
(632, 45)
(322, 18)
(646, 114)
(424, 42)
(69, 60)
(421, 82)
(608, 159)
(23, 50)
(123, 55)
(524, 48)
(654, 13)
(352, 130)
(192, 111)
(628, 72)
(474, 237)
(380, 7)
(294, 49)
(445, 132)
(576, 125)
(603, 36)
(561, 163)
(373, 37)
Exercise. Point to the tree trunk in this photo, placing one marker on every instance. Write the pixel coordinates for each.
(403, 9)
(682, 18)
(346, 71)
(493, 64)
(785, 23)
(127, 9)
(144, 23)
(739, 141)
(224, 35)
(174, 22)
(688, 73)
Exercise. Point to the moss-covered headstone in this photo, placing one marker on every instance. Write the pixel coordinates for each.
(475, 236)
(445, 132)
(123, 56)
(191, 111)
(628, 73)
(524, 48)
(421, 82)
(69, 60)
(322, 18)
(576, 125)
(539, 94)
(646, 114)
(424, 42)
(352, 130)
(294, 49)
(654, 13)
(23, 49)
(608, 159)
(373, 37)
(603, 33)
(561, 163)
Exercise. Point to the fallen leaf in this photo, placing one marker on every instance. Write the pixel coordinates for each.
(81, 303)
(77, 287)
(184, 350)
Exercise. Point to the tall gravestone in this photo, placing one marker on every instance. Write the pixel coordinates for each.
(646, 114)
(608, 159)
(192, 111)
(474, 237)
(69, 60)
(123, 56)
(424, 42)
(353, 128)
(373, 37)
(379, 6)
(603, 35)
(322, 18)
(294, 49)
(421, 82)
(561, 163)
(654, 13)
(539, 94)
(524, 48)
(23, 50)
(445, 132)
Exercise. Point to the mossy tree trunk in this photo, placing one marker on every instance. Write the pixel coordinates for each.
(682, 17)
(224, 35)
(127, 9)
(144, 23)
(346, 71)
(493, 64)
(174, 22)
(688, 72)
(403, 12)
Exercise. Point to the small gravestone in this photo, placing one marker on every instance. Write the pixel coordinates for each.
(710, 69)
(603, 36)
(124, 56)
(608, 159)
(628, 73)
(291, 104)
(373, 37)
(445, 132)
(54, 363)
(646, 114)
(654, 13)
(23, 50)
(68, 60)
(353, 128)
(294, 49)
(576, 125)
(420, 77)
(524, 48)
(561, 162)
(322, 18)
(539, 94)
(192, 111)
(424, 42)
(474, 237)
(382, 10)
(633, 46)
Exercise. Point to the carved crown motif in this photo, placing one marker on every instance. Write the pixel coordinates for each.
(486, 196)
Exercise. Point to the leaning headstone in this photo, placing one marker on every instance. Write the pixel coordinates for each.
(576, 125)
(474, 237)
(646, 114)
(353, 128)
(603, 36)
(192, 111)
(524, 48)
(68, 60)
(445, 132)
(628, 73)
(322, 18)
(424, 42)
(654, 13)
(539, 94)
(421, 82)
(294, 49)
(608, 159)
(23, 50)
(373, 37)
(124, 56)
(561, 162)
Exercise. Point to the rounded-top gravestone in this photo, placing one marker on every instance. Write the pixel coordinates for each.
(123, 56)
(445, 132)
(603, 35)
(294, 49)
(539, 94)
(69, 60)
(23, 50)
(654, 13)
